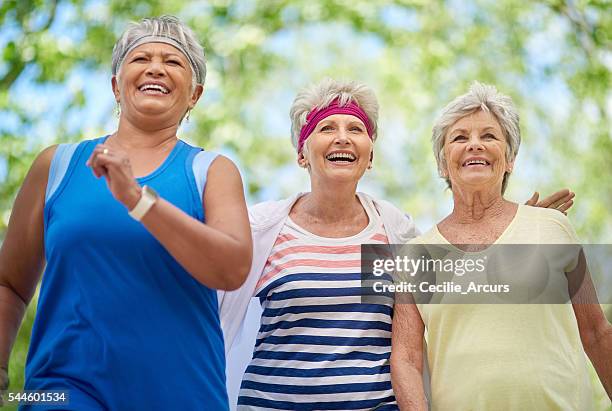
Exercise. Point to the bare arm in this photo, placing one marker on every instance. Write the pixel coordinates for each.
(22, 254)
(217, 254)
(595, 330)
(407, 358)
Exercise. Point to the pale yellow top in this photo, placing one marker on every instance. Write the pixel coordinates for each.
(509, 356)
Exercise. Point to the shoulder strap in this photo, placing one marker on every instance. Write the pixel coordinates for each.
(59, 166)
(201, 163)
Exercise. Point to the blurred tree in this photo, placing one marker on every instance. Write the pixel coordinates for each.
(553, 57)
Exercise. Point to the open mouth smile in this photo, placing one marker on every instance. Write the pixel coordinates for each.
(153, 89)
(340, 157)
(476, 163)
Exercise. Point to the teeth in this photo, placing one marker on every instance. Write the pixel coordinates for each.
(341, 156)
(470, 162)
(156, 87)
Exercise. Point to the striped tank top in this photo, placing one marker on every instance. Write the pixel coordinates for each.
(319, 347)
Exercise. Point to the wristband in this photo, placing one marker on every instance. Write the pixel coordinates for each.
(147, 199)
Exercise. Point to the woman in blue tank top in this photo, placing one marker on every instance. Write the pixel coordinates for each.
(137, 230)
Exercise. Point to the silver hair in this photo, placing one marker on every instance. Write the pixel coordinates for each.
(167, 27)
(322, 94)
(480, 97)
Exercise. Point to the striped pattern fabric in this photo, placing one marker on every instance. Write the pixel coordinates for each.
(319, 347)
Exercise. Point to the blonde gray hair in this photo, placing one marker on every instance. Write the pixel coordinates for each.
(322, 94)
(168, 27)
(479, 97)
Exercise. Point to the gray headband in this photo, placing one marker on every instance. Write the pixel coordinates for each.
(158, 39)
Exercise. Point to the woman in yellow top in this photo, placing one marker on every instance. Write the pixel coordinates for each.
(505, 356)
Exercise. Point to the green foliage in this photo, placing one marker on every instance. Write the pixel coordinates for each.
(419, 62)
(553, 57)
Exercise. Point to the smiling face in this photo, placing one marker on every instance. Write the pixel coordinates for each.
(475, 152)
(339, 148)
(155, 80)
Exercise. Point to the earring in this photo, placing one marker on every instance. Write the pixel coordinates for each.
(118, 110)
(187, 116)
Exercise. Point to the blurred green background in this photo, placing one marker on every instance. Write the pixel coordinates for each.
(553, 58)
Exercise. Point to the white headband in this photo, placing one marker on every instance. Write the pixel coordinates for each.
(158, 39)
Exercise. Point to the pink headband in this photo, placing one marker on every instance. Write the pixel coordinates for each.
(315, 116)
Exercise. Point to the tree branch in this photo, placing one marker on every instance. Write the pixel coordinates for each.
(17, 67)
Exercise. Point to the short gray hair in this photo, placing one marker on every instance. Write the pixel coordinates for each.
(322, 94)
(168, 27)
(480, 97)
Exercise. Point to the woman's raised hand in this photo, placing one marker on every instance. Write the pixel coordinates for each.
(114, 165)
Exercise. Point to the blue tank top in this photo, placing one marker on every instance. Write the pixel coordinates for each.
(120, 324)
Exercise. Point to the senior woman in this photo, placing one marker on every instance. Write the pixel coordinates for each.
(127, 314)
(503, 356)
(319, 346)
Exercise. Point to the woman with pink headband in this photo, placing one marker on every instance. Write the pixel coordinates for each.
(319, 346)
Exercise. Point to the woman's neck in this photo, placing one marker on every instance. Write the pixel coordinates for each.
(477, 205)
(332, 203)
(128, 136)
(479, 218)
